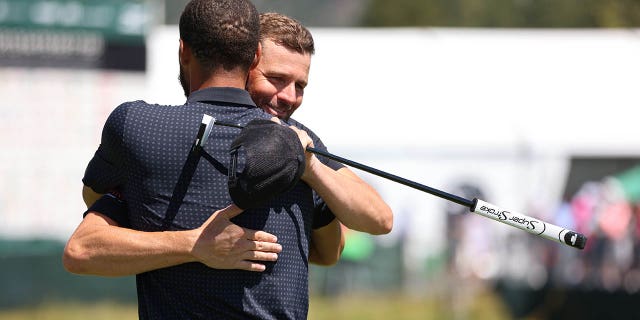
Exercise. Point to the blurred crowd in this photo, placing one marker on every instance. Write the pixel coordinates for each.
(607, 212)
(534, 277)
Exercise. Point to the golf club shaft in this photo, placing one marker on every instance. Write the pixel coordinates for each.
(439, 193)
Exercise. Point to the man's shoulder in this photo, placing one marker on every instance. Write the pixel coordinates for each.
(140, 109)
(299, 125)
(143, 105)
(128, 106)
(132, 112)
(317, 143)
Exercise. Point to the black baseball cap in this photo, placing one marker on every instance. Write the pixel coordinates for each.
(267, 159)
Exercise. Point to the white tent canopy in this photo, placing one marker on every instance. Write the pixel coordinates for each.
(425, 88)
(475, 89)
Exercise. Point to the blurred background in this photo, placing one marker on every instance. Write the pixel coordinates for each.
(528, 104)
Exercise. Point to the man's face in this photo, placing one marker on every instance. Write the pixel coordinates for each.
(277, 83)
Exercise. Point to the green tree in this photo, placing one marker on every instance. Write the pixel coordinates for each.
(503, 13)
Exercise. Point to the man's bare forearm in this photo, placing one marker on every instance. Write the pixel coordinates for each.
(99, 248)
(326, 244)
(356, 204)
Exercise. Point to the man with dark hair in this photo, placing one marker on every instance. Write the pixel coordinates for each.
(174, 243)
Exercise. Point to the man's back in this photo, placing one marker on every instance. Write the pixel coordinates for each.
(168, 187)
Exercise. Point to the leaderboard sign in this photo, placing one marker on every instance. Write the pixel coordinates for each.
(96, 34)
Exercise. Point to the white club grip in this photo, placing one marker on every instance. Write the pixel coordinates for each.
(529, 224)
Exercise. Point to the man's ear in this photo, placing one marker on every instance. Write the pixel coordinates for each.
(256, 57)
(184, 53)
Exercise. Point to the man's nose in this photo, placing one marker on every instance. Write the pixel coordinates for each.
(288, 94)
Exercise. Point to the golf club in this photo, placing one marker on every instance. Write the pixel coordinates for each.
(483, 208)
(480, 207)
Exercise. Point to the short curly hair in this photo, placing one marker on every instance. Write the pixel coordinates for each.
(287, 32)
(221, 33)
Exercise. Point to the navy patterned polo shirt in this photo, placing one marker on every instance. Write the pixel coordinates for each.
(145, 154)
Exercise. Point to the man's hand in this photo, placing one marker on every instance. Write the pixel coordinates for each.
(310, 159)
(221, 244)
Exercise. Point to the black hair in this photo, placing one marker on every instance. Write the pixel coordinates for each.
(221, 33)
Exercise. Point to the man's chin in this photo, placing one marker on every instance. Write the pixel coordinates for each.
(276, 113)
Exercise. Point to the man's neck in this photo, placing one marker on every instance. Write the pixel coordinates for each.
(219, 78)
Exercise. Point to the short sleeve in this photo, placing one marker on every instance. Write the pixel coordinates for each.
(322, 214)
(335, 165)
(318, 144)
(113, 207)
(105, 170)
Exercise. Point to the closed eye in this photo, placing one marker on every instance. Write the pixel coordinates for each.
(276, 80)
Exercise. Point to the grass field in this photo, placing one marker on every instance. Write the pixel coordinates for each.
(483, 306)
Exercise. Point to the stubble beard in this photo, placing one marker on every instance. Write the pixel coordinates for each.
(183, 82)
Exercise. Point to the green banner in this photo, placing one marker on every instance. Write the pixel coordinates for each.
(94, 34)
(114, 19)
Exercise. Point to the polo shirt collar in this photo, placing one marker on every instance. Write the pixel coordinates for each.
(221, 94)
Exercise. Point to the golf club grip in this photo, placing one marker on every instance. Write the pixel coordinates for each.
(529, 224)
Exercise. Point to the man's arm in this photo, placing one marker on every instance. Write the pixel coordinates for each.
(100, 247)
(355, 203)
(326, 244)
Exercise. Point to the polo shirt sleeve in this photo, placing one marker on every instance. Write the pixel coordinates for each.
(105, 170)
(322, 215)
(335, 165)
(112, 206)
(318, 144)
